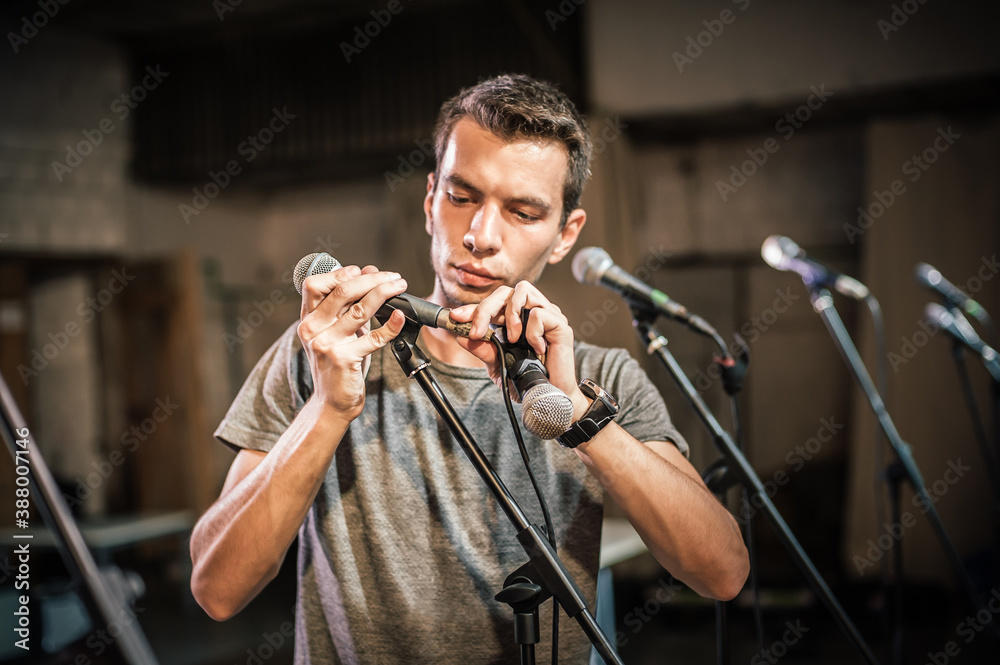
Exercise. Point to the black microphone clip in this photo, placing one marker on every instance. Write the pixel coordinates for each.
(546, 411)
(524, 368)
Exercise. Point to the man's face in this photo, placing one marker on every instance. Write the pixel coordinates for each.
(494, 213)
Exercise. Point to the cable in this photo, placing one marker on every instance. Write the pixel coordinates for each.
(549, 529)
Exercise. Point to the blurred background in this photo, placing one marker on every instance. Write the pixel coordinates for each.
(163, 165)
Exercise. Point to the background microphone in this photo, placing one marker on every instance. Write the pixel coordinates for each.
(416, 309)
(593, 265)
(783, 253)
(962, 330)
(930, 277)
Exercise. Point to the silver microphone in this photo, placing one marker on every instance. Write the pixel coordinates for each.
(416, 309)
(782, 253)
(546, 411)
(316, 263)
(960, 328)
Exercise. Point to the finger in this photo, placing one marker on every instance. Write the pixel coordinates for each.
(487, 310)
(358, 315)
(340, 299)
(550, 335)
(485, 351)
(316, 287)
(319, 287)
(512, 318)
(525, 295)
(548, 332)
(536, 328)
(381, 336)
(463, 314)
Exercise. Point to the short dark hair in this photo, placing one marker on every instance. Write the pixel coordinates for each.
(516, 106)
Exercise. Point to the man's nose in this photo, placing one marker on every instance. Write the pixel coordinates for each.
(483, 236)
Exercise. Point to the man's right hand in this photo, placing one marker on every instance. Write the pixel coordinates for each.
(239, 543)
(335, 332)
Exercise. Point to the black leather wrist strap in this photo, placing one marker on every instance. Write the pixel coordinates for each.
(602, 410)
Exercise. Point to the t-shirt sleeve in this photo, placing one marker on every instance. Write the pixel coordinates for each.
(269, 400)
(642, 412)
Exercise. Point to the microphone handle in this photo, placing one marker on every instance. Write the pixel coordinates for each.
(525, 370)
(416, 309)
(427, 314)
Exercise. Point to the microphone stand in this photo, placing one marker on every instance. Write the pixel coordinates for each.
(106, 591)
(718, 480)
(642, 320)
(822, 302)
(544, 575)
(989, 457)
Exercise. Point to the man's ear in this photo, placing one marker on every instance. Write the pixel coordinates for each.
(428, 202)
(568, 235)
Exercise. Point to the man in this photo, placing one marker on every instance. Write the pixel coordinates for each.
(401, 548)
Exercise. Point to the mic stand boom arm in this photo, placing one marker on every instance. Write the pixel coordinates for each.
(737, 463)
(544, 567)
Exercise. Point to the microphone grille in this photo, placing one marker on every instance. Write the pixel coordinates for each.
(938, 315)
(316, 263)
(927, 275)
(546, 411)
(778, 251)
(590, 264)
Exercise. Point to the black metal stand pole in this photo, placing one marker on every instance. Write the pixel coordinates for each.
(823, 304)
(995, 394)
(989, 457)
(102, 598)
(718, 480)
(894, 475)
(544, 568)
(736, 462)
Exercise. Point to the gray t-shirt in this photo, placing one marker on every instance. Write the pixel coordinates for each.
(404, 548)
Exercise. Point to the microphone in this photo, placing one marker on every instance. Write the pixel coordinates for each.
(546, 411)
(593, 265)
(783, 253)
(930, 277)
(962, 330)
(416, 309)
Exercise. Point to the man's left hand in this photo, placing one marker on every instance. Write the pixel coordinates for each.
(548, 333)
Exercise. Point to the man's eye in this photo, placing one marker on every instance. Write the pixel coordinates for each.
(457, 200)
(523, 216)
